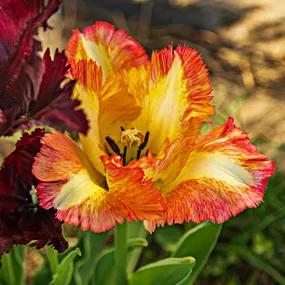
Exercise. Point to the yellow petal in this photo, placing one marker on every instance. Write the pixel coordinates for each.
(87, 90)
(175, 91)
(118, 106)
(216, 178)
(80, 196)
(112, 50)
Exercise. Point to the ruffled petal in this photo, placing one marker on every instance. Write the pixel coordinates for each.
(87, 88)
(32, 90)
(111, 49)
(22, 221)
(118, 106)
(177, 90)
(108, 106)
(71, 185)
(222, 175)
(141, 199)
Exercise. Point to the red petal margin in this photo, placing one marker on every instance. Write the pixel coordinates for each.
(209, 197)
(61, 163)
(21, 221)
(122, 50)
(196, 74)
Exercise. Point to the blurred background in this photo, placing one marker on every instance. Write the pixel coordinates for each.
(243, 45)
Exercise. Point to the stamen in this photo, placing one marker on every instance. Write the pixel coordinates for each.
(125, 156)
(143, 145)
(139, 154)
(113, 145)
(122, 129)
(145, 141)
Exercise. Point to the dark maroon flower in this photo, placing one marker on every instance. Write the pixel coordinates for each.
(33, 226)
(31, 88)
(22, 221)
(53, 105)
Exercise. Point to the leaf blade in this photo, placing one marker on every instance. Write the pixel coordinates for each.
(198, 242)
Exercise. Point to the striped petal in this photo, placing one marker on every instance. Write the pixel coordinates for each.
(175, 91)
(111, 49)
(141, 199)
(119, 106)
(70, 184)
(87, 89)
(222, 175)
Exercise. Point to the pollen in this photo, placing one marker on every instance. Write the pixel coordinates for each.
(131, 137)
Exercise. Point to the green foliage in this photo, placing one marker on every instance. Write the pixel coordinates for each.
(12, 270)
(135, 229)
(104, 272)
(64, 271)
(168, 271)
(167, 237)
(96, 265)
(251, 246)
(90, 246)
(198, 242)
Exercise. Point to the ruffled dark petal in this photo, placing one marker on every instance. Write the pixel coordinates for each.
(53, 105)
(22, 221)
(16, 177)
(27, 81)
(33, 226)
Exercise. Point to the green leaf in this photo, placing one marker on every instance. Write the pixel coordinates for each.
(52, 258)
(12, 270)
(91, 245)
(135, 229)
(64, 270)
(198, 242)
(104, 271)
(168, 271)
(168, 236)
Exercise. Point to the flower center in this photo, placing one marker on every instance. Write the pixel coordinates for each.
(133, 143)
(131, 137)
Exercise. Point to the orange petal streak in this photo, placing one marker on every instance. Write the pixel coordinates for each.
(175, 90)
(70, 184)
(222, 176)
(196, 75)
(111, 49)
(141, 199)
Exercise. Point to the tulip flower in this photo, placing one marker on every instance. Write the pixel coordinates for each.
(143, 157)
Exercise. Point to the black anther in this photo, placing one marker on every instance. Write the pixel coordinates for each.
(124, 155)
(143, 145)
(145, 141)
(139, 154)
(113, 145)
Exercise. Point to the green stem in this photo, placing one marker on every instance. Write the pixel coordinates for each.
(52, 258)
(121, 253)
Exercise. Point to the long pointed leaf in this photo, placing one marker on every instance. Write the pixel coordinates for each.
(168, 271)
(64, 270)
(198, 242)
